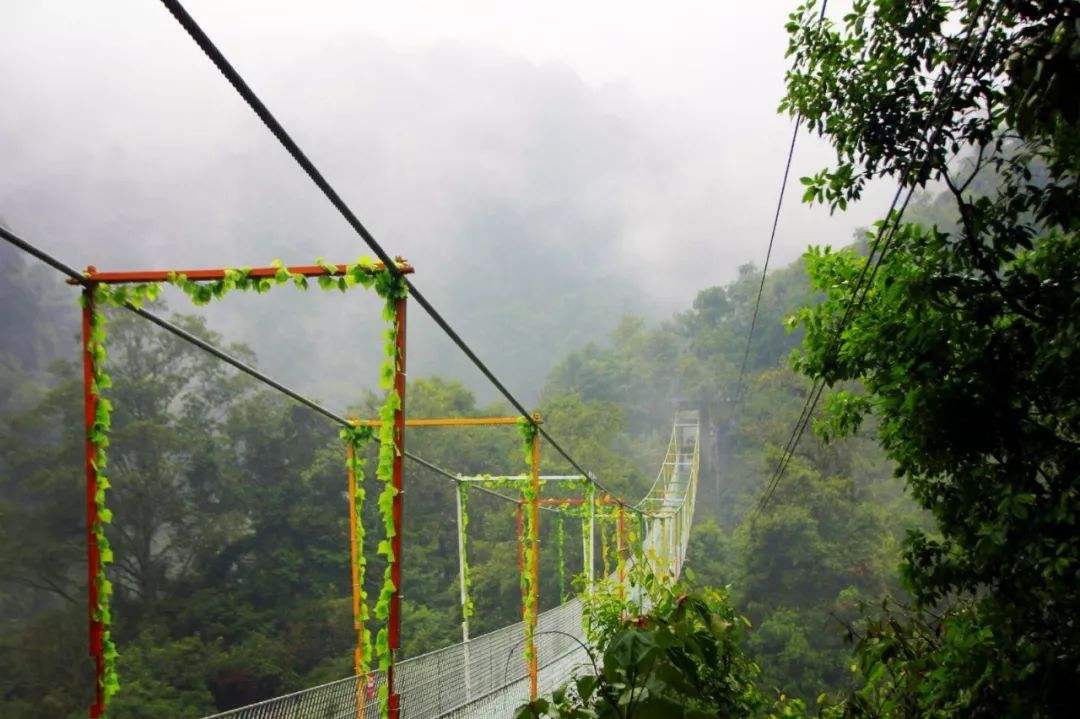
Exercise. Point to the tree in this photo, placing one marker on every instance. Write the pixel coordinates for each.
(683, 658)
(966, 338)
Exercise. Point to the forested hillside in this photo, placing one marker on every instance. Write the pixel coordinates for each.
(230, 534)
(830, 538)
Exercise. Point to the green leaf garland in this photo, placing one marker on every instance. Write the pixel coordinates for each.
(560, 555)
(365, 272)
(467, 608)
(528, 431)
(358, 437)
(99, 439)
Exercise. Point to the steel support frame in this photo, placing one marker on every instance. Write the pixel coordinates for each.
(93, 551)
(620, 543)
(90, 402)
(534, 549)
(394, 619)
(464, 594)
(354, 577)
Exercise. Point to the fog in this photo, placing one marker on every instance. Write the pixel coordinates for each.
(546, 169)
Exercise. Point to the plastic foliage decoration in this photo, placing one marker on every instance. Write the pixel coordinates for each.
(528, 431)
(365, 272)
(467, 609)
(620, 541)
(358, 437)
(604, 550)
(99, 439)
(583, 511)
(560, 555)
(391, 288)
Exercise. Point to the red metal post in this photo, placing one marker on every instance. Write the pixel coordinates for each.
(395, 542)
(93, 553)
(534, 550)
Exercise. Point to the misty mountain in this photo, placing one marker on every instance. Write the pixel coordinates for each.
(508, 185)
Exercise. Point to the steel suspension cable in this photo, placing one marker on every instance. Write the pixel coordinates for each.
(177, 10)
(889, 227)
(772, 239)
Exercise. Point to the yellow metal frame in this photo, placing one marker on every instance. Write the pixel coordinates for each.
(444, 422)
(534, 478)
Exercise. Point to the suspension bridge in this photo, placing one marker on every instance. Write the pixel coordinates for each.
(479, 676)
(483, 676)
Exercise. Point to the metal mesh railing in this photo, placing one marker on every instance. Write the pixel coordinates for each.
(486, 677)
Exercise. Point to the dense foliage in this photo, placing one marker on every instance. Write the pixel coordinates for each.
(231, 518)
(681, 659)
(966, 340)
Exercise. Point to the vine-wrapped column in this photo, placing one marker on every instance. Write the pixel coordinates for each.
(519, 523)
(560, 555)
(395, 541)
(463, 580)
(664, 546)
(353, 463)
(93, 553)
(534, 551)
(620, 543)
(591, 572)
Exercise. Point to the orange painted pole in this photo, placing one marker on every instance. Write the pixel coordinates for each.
(93, 552)
(519, 518)
(534, 548)
(395, 542)
(354, 565)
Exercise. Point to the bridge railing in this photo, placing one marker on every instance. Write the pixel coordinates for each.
(484, 677)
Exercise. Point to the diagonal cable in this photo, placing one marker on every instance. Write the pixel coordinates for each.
(219, 353)
(278, 131)
(889, 228)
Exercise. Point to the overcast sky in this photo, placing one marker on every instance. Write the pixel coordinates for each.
(635, 143)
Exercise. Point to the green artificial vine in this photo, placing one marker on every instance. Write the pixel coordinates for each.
(490, 481)
(560, 555)
(640, 567)
(467, 608)
(620, 556)
(391, 288)
(99, 438)
(603, 546)
(528, 431)
(365, 272)
(584, 512)
(639, 545)
(358, 437)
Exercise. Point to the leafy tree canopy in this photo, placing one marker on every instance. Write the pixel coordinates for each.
(966, 339)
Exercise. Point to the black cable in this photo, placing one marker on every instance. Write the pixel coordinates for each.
(772, 239)
(768, 256)
(41, 255)
(238, 364)
(233, 77)
(890, 226)
(309, 403)
(445, 473)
